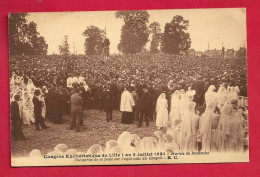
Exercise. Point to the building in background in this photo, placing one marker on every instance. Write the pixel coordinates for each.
(230, 53)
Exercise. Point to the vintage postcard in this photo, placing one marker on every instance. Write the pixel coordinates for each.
(128, 87)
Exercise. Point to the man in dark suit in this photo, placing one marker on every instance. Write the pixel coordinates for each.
(136, 107)
(38, 104)
(198, 86)
(76, 110)
(57, 105)
(145, 107)
(108, 102)
(16, 120)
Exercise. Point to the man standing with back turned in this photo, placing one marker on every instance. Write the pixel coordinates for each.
(38, 104)
(76, 110)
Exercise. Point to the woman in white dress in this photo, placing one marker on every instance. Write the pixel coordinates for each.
(27, 108)
(185, 136)
(233, 94)
(224, 128)
(30, 86)
(210, 95)
(183, 103)
(42, 98)
(205, 130)
(175, 107)
(161, 111)
(221, 97)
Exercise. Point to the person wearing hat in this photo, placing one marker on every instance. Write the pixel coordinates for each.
(17, 131)
(145, 107)
(38, 111)
(108, 102)
(136, 100)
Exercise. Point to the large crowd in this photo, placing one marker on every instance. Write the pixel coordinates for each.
(200, 102)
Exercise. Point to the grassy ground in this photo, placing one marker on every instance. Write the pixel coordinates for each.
(96, 130)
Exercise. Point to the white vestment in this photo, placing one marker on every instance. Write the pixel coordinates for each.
(81, 79)
(175, 108)
(161, 111)
(210, 95)
(75, 80)
(127, 102)
(69, 82)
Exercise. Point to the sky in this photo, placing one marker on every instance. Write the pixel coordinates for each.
(212, 27)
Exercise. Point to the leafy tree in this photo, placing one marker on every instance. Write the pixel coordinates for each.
(93, 41)
(41, 46)
(64, 48)
(15, 26)
(24, 37)
(156, 37)
(175, 39)
(134, 33)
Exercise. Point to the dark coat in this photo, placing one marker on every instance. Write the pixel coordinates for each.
(76, 103)
(108, 100)
(15, 113)
(146, 102)
(198, 86)
(37, 106)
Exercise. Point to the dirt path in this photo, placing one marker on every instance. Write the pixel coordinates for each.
(95, 131)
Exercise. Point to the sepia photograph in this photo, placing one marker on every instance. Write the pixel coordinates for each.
(128, 87)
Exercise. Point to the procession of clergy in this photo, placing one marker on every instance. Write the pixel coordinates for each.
(222, 126)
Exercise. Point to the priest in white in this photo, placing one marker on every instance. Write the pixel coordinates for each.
(69, 82)
(126, 106)
(81, 78)
(75, 79)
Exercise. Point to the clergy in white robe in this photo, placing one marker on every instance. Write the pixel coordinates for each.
(81, 79)
(126, 107)
(86, 87)
(75, 80)
(69, 82)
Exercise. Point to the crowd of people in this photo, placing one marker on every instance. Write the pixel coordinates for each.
(178, 93)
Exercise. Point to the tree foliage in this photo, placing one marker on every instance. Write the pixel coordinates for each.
(176, 39)
(64, 48)
(155, 30)
(134, 33)
(93, 41)
(24, 37)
